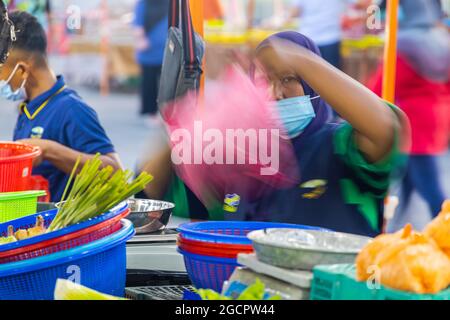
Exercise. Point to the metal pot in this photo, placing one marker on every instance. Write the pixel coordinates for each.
(149, 216)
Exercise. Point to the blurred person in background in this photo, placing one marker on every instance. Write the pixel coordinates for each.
(151, 24)
(41, 9)
(423, 93)
(321, 21)
(213, 10)
(271, 15)
(417, 13)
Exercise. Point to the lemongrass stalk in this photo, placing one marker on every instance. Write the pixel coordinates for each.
(72, 175)
(96, 191)
(72, 194)
(87, 201)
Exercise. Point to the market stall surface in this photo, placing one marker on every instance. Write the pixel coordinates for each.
(133, 137)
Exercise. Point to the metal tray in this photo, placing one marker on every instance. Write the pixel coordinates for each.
(305, 249)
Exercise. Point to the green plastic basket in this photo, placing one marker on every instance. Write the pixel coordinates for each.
(15, 205)
(338, 282)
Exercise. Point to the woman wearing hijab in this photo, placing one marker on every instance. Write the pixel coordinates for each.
(151, 20)
(423, 93)
(345, 168)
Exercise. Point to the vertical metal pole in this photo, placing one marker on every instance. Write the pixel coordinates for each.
(390, 51)
(198, 21)
(104, 48)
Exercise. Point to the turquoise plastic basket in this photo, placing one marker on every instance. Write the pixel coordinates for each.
(338, 282)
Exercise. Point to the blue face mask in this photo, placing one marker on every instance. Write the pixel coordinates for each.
(296, 114)
(7, 92)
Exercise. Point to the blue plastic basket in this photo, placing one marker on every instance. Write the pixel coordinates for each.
(208, 272)
(232, 232)
(100, 265)
(29, 221)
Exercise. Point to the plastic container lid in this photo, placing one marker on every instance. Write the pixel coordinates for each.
(21, 151)
(8, 196)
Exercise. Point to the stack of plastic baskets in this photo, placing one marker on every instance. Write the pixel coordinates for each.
(16, 163)
(210, 249)
(64, 239)
(92, 253)
(221, 250)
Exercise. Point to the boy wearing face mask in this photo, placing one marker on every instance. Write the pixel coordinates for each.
(52, 116)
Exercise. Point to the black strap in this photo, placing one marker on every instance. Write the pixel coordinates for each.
(174, 10)
(187, 30)
(7, 34)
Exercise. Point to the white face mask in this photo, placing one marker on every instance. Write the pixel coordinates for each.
(7, 92)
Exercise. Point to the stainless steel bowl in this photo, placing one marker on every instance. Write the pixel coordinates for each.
(45, 206)
(149, 216)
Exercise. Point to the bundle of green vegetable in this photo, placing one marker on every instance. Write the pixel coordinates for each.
(95, 191)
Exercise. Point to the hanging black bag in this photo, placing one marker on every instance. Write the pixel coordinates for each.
(183, 55)
(7, 34)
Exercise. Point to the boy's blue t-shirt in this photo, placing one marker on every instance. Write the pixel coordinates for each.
(157, 37)
(68, 120)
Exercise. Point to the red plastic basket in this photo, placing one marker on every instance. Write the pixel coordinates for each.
(212, 249)
(16, 164)
(40, 183)
(66, 242)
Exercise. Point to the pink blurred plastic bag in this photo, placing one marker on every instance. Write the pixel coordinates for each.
(207, 140)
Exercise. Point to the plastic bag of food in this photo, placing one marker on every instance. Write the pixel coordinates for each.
(439, 228)
(367, 257)
(414, 264)
(407, 261)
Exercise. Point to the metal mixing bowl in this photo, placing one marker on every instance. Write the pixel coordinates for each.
(45, 206)
(149, 216)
